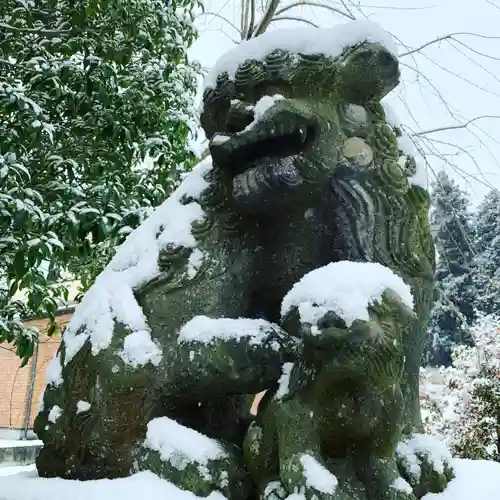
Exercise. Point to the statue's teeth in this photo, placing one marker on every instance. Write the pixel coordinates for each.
(253, 179)
(240, 184)
(303, 134)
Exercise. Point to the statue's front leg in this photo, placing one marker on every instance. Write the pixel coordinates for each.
(192, 461)
(229, 356)
(376, 461)
(301, 467)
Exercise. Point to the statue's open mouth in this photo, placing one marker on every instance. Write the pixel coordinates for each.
(264, 156)
(269, 146)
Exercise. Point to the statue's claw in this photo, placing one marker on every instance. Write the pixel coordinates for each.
(274, 490)
(425, 463)
(307, 475)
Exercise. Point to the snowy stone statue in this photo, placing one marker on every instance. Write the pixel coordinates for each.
(298, 260)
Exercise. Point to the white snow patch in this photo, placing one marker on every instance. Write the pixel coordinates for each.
(206, 330)
(330, 42)
(220, 139)
(139, 349)
(264, 103)
(194, 262)
(406, 145)
(53, 374)
(19, 443)
(276, 488)
(284, 381)
(73, 344)
(346, 288)
(19, 471)
(420, 177)
(41, 405)
(425, 446)
(54, 413)
(474, 479)
(180, 445)
(27, 486)
(111, 298)
(317, 476)
(82, 406)
(401, 485)
(390, 114)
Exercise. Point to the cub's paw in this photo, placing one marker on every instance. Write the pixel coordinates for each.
(425, 463)
(274, 490)
(400, 490)
(305, 475)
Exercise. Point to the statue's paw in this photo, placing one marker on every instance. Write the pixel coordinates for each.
(192, 462)
(274, 490)
(400, 489)
(425, 463)
(286, 346)
(306, 475)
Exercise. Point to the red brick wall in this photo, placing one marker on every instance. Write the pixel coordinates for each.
(15, 381)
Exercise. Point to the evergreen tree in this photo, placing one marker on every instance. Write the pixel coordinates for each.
(453, 311)
(487, 260)
(464, 407)
(88, 89)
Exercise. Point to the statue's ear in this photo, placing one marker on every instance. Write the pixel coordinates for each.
(368, 72)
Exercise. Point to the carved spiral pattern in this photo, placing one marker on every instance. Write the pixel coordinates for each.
(286, 70)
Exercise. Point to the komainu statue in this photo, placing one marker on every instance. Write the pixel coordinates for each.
(296, 259)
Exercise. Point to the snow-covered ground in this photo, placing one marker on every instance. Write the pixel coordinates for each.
(476, 479)
(17, 443)
(24, 470)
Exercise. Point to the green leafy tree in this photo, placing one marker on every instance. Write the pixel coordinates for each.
(88, 89)
(487, 261)
(453, 311)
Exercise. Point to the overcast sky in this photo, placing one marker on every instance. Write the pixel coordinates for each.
(466, 76)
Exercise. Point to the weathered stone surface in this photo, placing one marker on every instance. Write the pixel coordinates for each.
(306, 172)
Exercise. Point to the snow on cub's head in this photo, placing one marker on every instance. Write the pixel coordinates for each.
(286, 110)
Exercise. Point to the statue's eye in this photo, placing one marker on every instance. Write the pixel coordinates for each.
(355, 119)
(270, 89)
(239, 116)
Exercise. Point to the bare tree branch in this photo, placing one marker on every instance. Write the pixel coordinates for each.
(482, 54)
(393, 7)
(251, 24)
(348, 10)
(292, 18)
(222, 18)
(267, 17)
(244, 18)
(446, 37)
(313, 4)
(455, 127)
